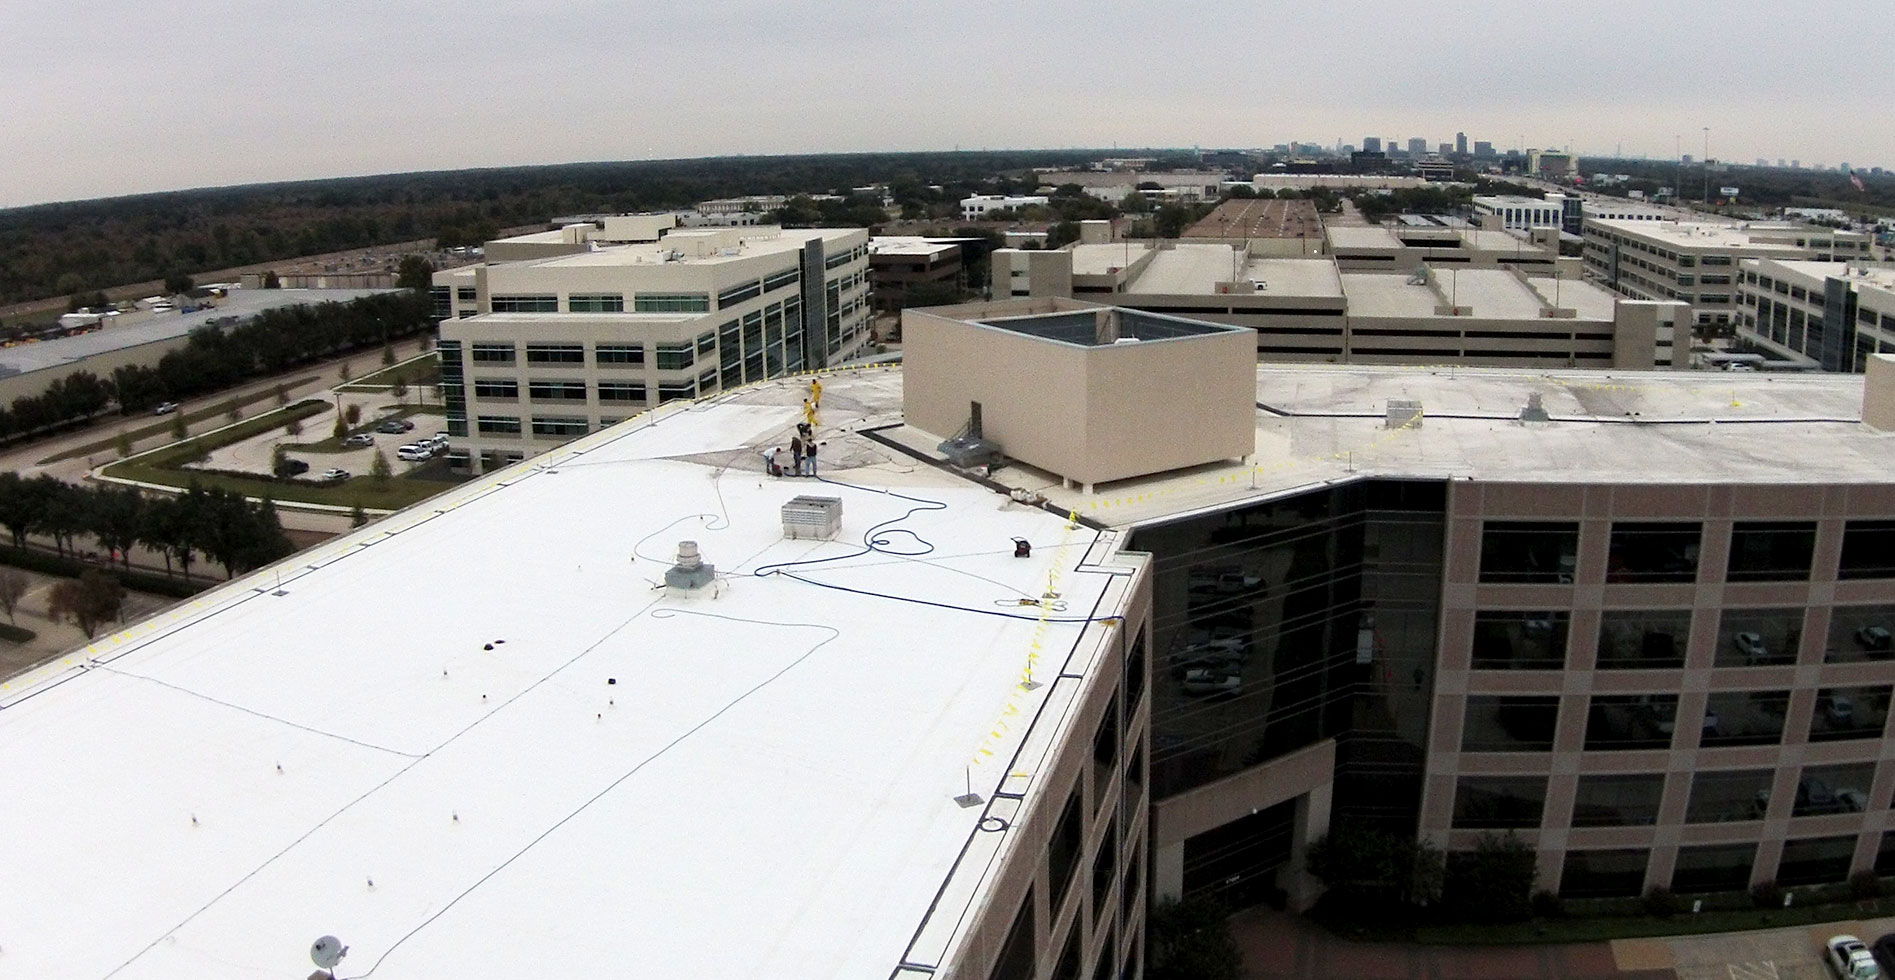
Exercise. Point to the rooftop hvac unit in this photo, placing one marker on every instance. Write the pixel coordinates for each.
(812, 517)
(692, 574)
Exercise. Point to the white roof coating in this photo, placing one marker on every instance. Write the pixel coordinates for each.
(1353, 236)
(475, 739)
(1696, 234)
(241, 303)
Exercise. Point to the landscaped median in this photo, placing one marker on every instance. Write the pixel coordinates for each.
(166, 424)
(164, 469)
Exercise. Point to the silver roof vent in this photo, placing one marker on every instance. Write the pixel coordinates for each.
(692, 574)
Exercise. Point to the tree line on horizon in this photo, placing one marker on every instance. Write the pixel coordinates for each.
(51, 250)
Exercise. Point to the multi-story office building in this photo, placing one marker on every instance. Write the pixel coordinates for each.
(1696, 262)
(1465, 620)
(1513, 212)
(1483, 150)
(1371, 144)
(1830, 315)
(556, 335)
(976, 208)
(1417, 146)
(902, 269)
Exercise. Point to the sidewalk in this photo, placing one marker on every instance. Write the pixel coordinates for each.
(1281, 946)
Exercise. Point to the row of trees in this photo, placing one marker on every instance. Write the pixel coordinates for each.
(61, 249)
(214, 359)
(218, 525)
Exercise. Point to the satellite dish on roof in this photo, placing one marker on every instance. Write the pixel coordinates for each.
(327, 952)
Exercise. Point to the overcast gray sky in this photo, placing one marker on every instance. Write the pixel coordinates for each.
(106, 97)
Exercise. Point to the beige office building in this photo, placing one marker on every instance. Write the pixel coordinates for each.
(1695, 262)
(1827, 315)
(566, 332)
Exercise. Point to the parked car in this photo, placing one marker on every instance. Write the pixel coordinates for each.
(1839, 710)
(1849, 959)
(335, 473)
(359, 439)
(291, 467)
(1204, 681)
(414, 453)
(165, 408)
(1874, 638)
(395, 427)
(1751, 646)
(439, 439)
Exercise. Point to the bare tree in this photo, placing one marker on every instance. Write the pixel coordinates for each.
(91, 601)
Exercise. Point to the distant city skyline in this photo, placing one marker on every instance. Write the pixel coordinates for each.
(201, 94)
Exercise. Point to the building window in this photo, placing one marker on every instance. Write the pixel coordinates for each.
(555, 354)
(525, 303)
(1844, 788)
(1522, 551)
(619, 354)
(496, 388)
(778, 280)
(674, 390)
(707, 382)
(1745, 717)
(498, 425)
(441, 300)
(1758, 637)
(1618, 801)
(457, 425)
(1520, 640)
(1849, 712)
(1713, 868)
(676, 357)
(1618, 873)
(1728, 795)
(1816, 860)
(545, 425)
(1868, 550)
(1642, 639)
(556, 391)
(1771, 552)
(671, 303)
(467, 294)
(1067, 966)
(1015, 961)
(1105, 868)
(492, 353)
(1510, 723)
(1653, 553)
(1861, 633)
(738, 294)
(596, 303)
(1631, 721)
(621, 391)
(1494, 802)
(1062, 850)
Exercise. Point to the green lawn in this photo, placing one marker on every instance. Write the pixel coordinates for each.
(422, 369)
(164, 423)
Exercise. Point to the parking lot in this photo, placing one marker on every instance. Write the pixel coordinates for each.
(1767, 954)
(257, 453)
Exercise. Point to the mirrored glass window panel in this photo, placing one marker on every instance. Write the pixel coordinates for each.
(1653, 552)
(1771, 551)
(1823, 790)
(1499, 801)
(1860, 633)
(1816, 860)
(1758, 637)
(1849, 712)
(1510, 723)
(1631, 721)
(1629, 800)
(1618, 873)
(1713, 868)
(1634, 639)
(1511, 640)
(1868, 550)
(1728, 795)
(1745, 717)
(1528, 551)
